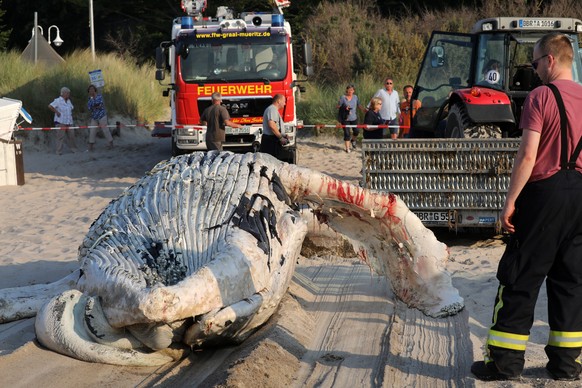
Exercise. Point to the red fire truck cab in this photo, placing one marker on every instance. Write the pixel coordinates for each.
(248, 60)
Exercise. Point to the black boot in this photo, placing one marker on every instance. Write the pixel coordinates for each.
(489, 372)
(562, 364)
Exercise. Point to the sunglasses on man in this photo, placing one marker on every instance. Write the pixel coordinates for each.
(535, 62)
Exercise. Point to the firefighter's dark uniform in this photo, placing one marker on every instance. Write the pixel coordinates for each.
(547, 243)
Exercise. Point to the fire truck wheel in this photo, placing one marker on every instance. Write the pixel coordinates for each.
(256, 146)
(175, 150)
(291, 156)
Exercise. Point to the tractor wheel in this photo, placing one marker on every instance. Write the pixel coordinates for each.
(484, 131)
(460, 126)
(457, 121)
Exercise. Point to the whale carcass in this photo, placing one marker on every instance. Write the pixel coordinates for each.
(202, 249)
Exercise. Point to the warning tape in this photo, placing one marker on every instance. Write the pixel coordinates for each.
(201, 127)
(364, 126)
(19, 128)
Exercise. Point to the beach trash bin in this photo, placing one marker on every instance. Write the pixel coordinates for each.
(11, 163)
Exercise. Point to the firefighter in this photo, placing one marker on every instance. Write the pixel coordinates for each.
(216, 118)
(542, 211)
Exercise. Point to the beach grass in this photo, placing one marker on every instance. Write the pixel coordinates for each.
(129, 90)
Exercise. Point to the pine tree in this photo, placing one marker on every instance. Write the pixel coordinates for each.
(4, 30)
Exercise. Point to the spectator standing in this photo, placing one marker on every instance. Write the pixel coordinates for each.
(96, 107)
(373, 117)
(273, 138)
(216, 118)
(542, 211)
(407, 111)
(62, 107)
(348, 115)
(390, 111)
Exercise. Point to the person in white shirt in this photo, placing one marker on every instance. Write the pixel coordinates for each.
(390, 111)
(62, 107)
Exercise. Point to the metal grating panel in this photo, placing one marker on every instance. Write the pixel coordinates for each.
(441, 173)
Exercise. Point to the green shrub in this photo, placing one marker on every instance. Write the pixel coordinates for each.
(351, 43)
(130, 90)
(355, 44)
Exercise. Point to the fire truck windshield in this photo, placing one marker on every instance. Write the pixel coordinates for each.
(226, 61)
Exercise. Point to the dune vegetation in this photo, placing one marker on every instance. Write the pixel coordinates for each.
(353, 45)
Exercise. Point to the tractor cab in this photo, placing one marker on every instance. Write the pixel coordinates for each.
(474, 85)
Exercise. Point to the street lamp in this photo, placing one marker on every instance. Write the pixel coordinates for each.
(92, 29)
(57, 41)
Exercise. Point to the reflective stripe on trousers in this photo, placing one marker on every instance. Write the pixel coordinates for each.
(565, 339)
(502, 339)
(507, 340)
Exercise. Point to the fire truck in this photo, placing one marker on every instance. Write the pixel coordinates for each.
(455, 171)
(247, 58)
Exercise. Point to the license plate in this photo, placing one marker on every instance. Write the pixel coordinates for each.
(536, 23)
(433, 217)
(238, 131)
